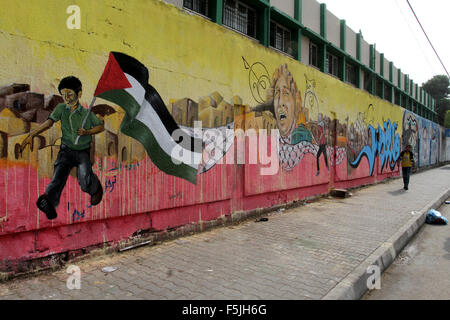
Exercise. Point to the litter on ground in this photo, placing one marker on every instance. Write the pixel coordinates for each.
(435, 217)
(109, 269)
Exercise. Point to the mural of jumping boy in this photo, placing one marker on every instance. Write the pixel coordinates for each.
(71, 114)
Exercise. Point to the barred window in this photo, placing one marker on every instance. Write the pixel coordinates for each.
(387, 92)
(397, 97)
(313, 55)
(200, 6)
(280, 37)
(350, 73)
(332, 66)
(367, 81)
(379, 88)
(240, 17)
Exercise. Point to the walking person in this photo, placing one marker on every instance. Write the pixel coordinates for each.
(407, 162)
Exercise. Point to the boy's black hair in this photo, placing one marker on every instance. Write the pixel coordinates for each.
(70, 82)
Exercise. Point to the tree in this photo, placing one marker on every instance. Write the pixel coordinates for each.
(439, 88)
(447, 119)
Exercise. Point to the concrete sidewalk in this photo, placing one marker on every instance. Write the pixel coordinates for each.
(317, 251)
(420, 271)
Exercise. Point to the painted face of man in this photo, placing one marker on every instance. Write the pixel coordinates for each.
(284, 105)
(70, 97)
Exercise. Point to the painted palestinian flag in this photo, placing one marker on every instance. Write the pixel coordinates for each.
(125, 83)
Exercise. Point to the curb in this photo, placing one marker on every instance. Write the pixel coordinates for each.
(354, 285)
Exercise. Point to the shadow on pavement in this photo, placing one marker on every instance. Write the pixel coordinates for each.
(445, 168)
(397, 192)
(447, 247)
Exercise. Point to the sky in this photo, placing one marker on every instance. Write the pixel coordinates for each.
(391, 25)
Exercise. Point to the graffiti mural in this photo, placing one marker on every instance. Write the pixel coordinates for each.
(424, 137)
(258, 79)
(434, 148)
(445, 144)
(149, 98)
(78, 125)
(216, 117)
(358, 137)
(425, 142)
(295, 138)
(304, 129)
(411, 132)
(428, 142)
(385, 143)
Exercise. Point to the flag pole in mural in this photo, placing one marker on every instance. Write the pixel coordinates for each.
(125, 83)
(85, 118)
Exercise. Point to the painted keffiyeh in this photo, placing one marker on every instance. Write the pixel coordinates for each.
(291, 154)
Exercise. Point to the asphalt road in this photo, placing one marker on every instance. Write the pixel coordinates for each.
(422, 269)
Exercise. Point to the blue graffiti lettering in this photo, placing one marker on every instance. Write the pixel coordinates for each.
(385, 144)
(114, 166)
(109, 184)
(77, 215)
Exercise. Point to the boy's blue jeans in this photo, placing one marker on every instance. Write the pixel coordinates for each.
(66, 160)
(406, 172)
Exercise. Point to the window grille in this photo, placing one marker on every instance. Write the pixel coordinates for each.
(280, 38)
(200, 6)
(367, 81)
(379, 88)
(313, 55)
(332, 65)
(350, 74)
(240, 17)
(397, 97)
(387, 91)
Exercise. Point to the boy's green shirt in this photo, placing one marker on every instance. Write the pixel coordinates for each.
(71, 122)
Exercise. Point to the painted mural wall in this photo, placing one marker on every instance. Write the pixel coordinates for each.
(425, 138)
(446, 143)
(321, 132)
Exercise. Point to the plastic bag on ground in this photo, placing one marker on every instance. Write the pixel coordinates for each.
(435, 217)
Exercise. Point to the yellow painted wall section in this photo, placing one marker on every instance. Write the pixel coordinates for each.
(187, 55)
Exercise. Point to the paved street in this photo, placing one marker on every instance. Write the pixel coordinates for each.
(300, 253)
(421, 271)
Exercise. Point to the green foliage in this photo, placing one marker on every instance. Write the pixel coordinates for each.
(447, 119)
(439, 88)
(442, 108)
